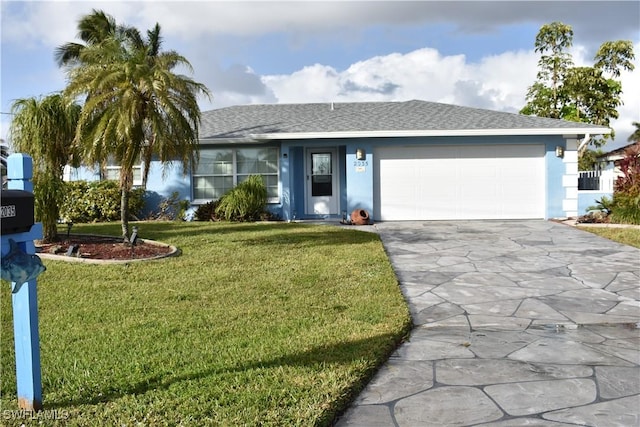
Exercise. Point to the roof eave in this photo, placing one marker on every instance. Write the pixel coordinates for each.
(437, 132)
(232, 141)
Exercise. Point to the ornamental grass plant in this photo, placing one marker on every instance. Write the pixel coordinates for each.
(244, 202)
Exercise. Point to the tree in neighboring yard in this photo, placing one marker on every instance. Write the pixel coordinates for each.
(580, 94)
(44, 128)
(545, 98)
(635, 136)
(592, 159)
(135, 106)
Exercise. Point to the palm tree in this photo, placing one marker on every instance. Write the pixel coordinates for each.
(136, 107)
(93, 29)
(45, 128)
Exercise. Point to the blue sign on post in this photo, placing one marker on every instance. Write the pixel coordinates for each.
(21, 266)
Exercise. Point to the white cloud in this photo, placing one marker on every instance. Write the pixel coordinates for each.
(506, 77)
(52, 23)
(498, 82)
(316, 83)
(421, 74)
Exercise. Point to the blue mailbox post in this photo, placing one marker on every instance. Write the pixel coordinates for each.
(20, 266)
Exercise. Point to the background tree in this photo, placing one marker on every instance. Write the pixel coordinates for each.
(135, 106)
(581, 94)
(612, 56)
(45, 128)
(591, 159)
(635, 136)
(546, 96)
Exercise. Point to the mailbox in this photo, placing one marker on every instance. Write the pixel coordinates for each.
(17, 211)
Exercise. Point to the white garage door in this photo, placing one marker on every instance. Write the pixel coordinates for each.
(459, 182)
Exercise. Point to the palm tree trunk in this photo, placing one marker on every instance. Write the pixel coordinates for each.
(47, 199)
(125, 186)
(124, 214)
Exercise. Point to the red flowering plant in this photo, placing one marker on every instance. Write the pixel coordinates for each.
(626, 190)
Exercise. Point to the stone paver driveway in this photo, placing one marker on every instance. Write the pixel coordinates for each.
(517, 323)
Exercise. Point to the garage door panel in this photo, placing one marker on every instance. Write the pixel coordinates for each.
(459, 182)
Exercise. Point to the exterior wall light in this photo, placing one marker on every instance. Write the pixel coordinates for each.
(361, 154)
(559, 151)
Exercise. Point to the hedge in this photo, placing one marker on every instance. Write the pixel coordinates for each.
(97, 201)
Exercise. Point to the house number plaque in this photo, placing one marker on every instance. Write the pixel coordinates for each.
(360, 165)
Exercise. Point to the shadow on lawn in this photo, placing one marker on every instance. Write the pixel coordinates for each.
(264, 235)
(260, 233)
(342, 353)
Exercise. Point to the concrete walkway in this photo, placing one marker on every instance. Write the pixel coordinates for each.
(517, 323)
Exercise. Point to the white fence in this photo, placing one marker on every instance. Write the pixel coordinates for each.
(596, 180)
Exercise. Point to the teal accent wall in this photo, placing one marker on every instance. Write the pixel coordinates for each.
(297, 183)
(160, 187)
(342, 154)
(172, 182)
(284, 208)
(555, 169)
(359, 177)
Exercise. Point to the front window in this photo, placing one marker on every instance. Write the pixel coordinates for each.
(220, 169)
(112, 171)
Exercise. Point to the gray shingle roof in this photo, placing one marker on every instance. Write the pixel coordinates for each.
(249, 121)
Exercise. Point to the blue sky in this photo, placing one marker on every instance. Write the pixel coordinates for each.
(473, 53)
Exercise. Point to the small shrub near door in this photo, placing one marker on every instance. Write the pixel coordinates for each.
(245, 202)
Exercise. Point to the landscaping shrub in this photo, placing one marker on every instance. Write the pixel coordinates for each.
(207, 212)
(97, 201)
(604, 204)
(171, 208)
(626, 208)
(599, 213)
(48, 192)
(626, 190)
(629, 181)
(245, 202)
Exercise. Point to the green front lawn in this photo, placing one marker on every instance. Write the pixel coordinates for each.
(627, 236)
(254, 324)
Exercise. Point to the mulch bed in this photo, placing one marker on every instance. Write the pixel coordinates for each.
(103, 247)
